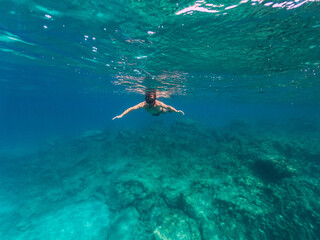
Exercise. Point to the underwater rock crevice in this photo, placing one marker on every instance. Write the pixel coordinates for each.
(272, 170)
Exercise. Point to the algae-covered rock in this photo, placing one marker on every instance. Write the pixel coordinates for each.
(173, 198)
(127, 193)
(193, 204)
(179, 182)
(176, 225)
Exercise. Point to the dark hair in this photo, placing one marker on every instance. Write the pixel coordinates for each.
(148, 98)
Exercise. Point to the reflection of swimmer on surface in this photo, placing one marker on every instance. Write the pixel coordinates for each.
(151, 105)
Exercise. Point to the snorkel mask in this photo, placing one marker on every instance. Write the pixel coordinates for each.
(150, 98)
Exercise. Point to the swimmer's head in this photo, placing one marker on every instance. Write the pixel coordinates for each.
(150, 97)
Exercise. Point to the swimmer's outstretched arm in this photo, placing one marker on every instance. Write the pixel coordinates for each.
(140, 105)
(170, 109)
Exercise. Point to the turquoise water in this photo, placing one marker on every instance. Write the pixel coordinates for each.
(242, 163)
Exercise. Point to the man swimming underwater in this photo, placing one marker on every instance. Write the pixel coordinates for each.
(151, 105)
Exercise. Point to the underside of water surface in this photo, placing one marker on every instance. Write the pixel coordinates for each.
(180, 48)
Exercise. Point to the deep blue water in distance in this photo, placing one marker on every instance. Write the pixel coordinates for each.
(242, 163)
(30, 119)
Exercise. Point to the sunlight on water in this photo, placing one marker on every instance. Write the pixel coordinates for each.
(181, 46)
(203, 6)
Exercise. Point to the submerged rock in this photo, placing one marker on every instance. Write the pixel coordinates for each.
(176, 225)
(187, 183)
(127, 194)
(272, 169)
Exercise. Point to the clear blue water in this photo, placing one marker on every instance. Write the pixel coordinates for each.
(246, 73)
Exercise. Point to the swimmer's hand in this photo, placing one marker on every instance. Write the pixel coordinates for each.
(180, 112)
(120, 116)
